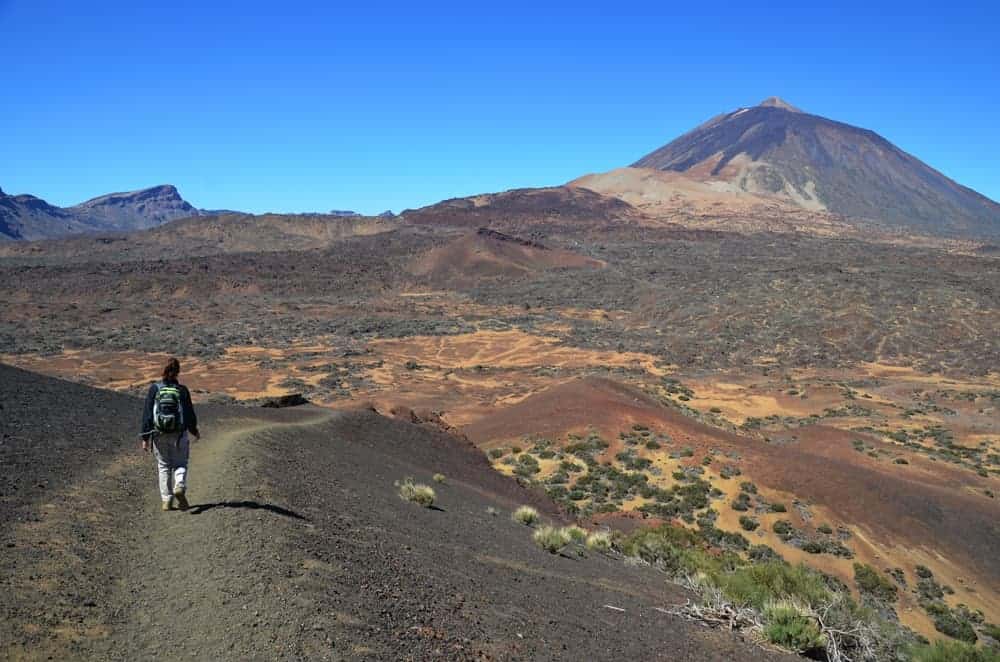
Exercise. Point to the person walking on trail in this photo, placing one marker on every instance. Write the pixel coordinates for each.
(167, 419)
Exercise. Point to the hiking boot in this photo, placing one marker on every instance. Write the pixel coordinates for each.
(182, 502)
(168, 504)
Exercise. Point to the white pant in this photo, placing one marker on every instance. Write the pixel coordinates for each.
(171, 451)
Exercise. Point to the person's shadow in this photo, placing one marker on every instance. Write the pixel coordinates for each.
(200, 508)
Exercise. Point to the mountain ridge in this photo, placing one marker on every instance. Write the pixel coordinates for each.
(28, 217)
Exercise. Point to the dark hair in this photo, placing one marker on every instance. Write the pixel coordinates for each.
(172, 369)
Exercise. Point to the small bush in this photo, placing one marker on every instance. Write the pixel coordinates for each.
(576, 533)
(825, 528)
(791, 627)
(953, 651)
(748, 523)
(783, 528)
(525, 515)
(763, 553)
(491, 511)
(526, 466)
(496, 453)
(729, 471)
(439, 478)
(416, 493)
(778, 508)
(551, 539)
(948, 622)
(870, 582)
(763, 583)
(599, 541)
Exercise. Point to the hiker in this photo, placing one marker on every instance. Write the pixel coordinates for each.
(167, 419)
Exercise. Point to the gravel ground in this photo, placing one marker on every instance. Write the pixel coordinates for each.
(296, 547)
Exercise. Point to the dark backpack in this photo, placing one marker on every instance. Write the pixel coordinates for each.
(168, 412)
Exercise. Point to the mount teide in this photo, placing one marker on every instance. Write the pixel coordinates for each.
(820, 164)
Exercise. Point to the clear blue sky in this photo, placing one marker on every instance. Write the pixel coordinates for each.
(293, 106)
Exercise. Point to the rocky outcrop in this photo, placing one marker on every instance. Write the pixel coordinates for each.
(136, 210)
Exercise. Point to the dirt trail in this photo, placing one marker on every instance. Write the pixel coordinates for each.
(195, 585)
(93, 569)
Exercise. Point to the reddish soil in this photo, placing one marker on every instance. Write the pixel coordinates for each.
(899, 508)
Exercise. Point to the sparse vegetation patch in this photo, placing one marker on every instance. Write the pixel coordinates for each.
(416, 493)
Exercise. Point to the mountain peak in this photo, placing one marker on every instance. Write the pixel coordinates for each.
(778, 102)
(821, 164)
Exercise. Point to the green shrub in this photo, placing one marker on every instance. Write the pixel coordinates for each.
(763, 583)
(741, 502)
(525, 515)
(825, 528)
(778, 508)
(871, 582)
(496, 453)
(551, 539)
(748, 523)
(948, 622)
(953, 651)
(729, 471)
(599, 541)
(763, 553)
(834, 547)
(575, 533)
(527, 466)
(674, 549)
(783, 528)
(439, 478)
(929, 590)
(416, 493)
(789, 626)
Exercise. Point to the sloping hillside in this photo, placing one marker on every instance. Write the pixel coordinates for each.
(491, 254)
(520, 211)
(821, 164)
(296, 546)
